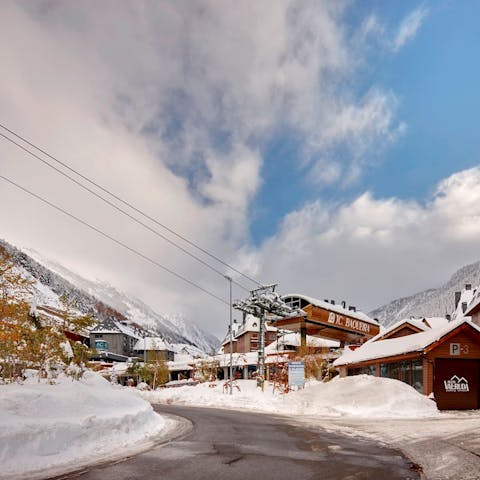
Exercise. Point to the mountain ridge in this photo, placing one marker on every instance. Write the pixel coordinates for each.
(431, 302)
(53, 280)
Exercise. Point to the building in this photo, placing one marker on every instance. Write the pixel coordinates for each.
(116, 337)
(154, 349)
(443, 361)
(329, 320)
(473, 309)
(246, 335)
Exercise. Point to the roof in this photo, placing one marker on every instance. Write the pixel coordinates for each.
(333, 308)
(466, 297)
(114, 326)
(416, 342)
(252, 324)
(474, 303)
(394, 326)
(152, 343)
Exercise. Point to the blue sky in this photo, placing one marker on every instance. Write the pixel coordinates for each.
(436, 77)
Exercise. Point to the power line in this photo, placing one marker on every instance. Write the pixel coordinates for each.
(130, 205)
(113, 239)
(116, 207)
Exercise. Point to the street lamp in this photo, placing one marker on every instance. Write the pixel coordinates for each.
(231, 336)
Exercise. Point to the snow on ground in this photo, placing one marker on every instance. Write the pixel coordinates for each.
(49, 428)
(359, 396)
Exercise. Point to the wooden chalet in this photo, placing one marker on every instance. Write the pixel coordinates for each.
(442, 361)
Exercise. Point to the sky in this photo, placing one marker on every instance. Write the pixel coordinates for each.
(329, 147)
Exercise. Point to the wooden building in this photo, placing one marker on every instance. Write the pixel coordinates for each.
(443, 361)
(328, 320)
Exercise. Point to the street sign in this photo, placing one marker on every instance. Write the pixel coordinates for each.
(296, 374)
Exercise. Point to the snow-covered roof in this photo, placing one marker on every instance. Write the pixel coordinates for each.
(398, 346)
(385, 331)
(333, 308)
(152, 343)
(293, 339)
(474, 301)
(115, 326)
(251, 324)
(466, 297)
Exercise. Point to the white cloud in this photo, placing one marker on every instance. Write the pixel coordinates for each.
(371, 250)
(170, 104)
(409, 27)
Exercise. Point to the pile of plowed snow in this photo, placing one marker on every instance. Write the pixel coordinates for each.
(52, 428)
(364, 396)
(359, 396)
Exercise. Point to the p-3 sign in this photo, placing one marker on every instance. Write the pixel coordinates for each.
(458, 349)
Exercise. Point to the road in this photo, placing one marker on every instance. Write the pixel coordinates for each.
(242, 445)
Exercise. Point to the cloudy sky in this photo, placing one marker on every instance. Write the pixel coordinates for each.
(332, 147)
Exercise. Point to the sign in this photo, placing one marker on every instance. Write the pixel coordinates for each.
(458, 349)
(101, 345)
(456, 384)
(296, 374)
(347, 322)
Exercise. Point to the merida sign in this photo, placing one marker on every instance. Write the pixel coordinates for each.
(456, 384)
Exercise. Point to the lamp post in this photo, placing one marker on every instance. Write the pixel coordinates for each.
(231, 336)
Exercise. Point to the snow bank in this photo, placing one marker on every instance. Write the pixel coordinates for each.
(358, 396)
(364, 396)
(53, 428)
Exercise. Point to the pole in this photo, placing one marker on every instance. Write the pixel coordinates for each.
(261, 349)
(231, 338)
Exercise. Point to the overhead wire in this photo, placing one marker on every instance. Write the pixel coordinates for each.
(129, 204)
(124, 212)
(112, 238)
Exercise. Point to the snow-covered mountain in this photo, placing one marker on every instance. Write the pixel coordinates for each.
(429, 303)
(52, 280)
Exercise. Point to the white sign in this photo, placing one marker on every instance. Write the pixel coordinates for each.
(456, 384)
(296, 374)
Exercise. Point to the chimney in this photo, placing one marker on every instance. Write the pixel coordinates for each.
(332, 302)
(457, 298)
(448, 316)
(464, 307)
(468, 286)
(326, 300)
(344, 304)
(352, 308)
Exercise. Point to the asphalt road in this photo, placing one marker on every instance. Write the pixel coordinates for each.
(234, 445)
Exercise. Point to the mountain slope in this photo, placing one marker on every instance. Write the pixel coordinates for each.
(53, 280)
(429, 303)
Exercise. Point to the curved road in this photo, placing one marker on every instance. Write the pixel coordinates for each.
(234, 445)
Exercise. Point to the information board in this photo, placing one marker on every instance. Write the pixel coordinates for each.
(296, 374)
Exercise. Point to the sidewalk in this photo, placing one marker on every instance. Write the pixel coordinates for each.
(446, 447)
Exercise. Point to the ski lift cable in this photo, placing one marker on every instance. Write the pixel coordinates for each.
(130, 205)
(113, 239)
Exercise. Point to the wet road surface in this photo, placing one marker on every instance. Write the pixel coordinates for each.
(232, 445)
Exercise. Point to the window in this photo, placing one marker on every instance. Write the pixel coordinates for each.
(409, 371)
(370, 370)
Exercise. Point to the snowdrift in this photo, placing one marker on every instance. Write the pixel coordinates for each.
(52, 428)
(358, 396)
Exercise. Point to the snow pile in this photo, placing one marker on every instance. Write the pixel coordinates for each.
(358, 396)
(53, 428)
(364, 396)
(249, 397)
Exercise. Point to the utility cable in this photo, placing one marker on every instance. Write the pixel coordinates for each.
(130, 205)
(116, 207)
(113, 239)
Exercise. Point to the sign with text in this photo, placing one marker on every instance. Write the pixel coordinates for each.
(296, 374)
(458, 349)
